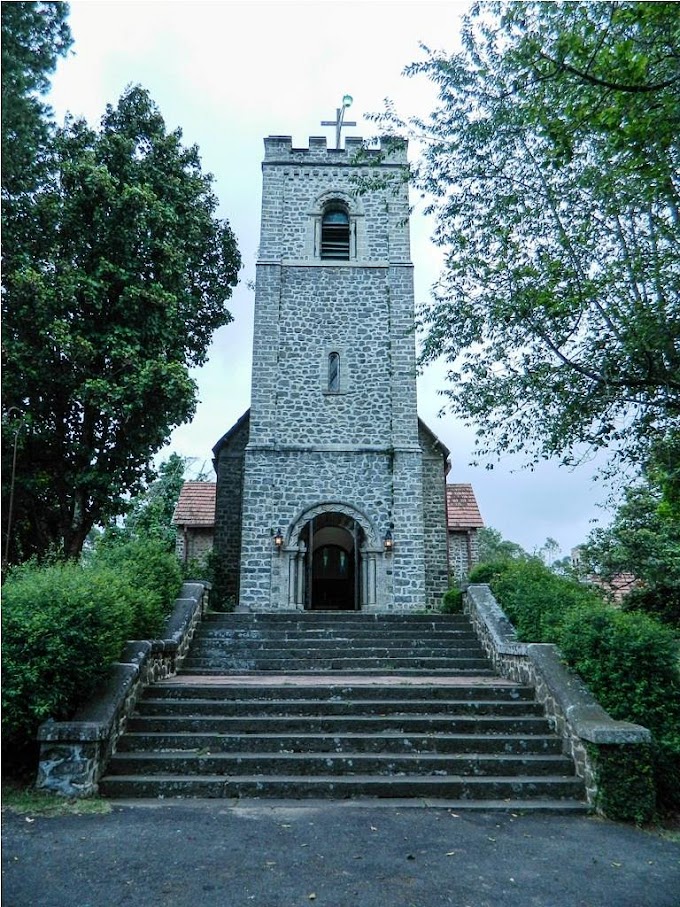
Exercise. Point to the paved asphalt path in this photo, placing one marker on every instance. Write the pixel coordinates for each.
(254, 854)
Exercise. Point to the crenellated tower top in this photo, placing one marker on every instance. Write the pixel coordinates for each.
(279, 149)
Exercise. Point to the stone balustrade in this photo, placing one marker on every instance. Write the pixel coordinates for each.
(590, 736)
(74, 754)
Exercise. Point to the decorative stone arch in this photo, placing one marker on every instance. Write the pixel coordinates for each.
(299, 572)
(293, 535)
(355, 211)
(353, 203)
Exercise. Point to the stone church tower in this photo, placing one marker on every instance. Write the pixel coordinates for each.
(330, 491)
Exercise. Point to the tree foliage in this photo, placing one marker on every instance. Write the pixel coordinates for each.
(491, 547)
(552, 158)
(34, 35)
(117, 276)
(643, 541)
(151, 513)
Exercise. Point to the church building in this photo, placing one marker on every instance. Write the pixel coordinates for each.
(330, 490)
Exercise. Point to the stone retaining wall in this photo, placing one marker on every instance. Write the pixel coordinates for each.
(74, 754)
(589, 734)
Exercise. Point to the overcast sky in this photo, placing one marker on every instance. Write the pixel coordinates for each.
(230, 73)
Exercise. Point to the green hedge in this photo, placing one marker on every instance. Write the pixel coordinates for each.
(63, 624)
(153, 576)
(629, 660)
(535, 599)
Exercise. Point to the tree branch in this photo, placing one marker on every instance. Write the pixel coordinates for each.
(604, 83)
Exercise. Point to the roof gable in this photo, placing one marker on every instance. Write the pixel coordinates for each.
(425, 432)
(462, 511)
(196, 505)
(243, 422)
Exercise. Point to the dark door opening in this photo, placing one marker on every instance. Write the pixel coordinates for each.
(333, 543)
(333, 579)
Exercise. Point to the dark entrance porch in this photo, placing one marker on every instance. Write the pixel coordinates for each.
(333, 543)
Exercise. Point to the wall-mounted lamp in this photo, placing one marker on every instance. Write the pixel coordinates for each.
(278, 540)
(388, 541)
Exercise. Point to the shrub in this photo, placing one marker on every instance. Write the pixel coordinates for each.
(61, 626)
(625, 782)
(153, 577)
(630, 662)
(197, 568)
(452, 602)
(485, 573)
(628, 659)
(667, 767)
(537, 600)
(662, 602)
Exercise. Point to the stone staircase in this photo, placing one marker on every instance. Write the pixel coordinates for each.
(321, 705)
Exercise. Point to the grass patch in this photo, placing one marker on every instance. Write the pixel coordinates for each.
(31, 802)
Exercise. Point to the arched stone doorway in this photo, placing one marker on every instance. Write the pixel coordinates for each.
(331, 560)
(333, 543)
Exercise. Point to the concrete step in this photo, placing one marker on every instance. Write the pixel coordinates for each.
(233, 688)
(342, 787)
(324, 635)
(300, 656)
(304, 656)
(333, 618)
(340, 724)
(376, 742)
(347, 664)
(305, 648)
(339, 764)
(340, 705)
(314, 707)
(318, 672)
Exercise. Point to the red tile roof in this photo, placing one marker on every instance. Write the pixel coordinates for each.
(196, 505)
(617, 586)
(461, 508)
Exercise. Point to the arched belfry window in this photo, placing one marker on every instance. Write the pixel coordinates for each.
(335, 234)
(334, 373)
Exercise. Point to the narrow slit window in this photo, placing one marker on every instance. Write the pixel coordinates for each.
(334, 373)
(335, 235)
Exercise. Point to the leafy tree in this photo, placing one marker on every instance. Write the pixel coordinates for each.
(493, 547)
(549, 551)
(34, 35)
(117, 281)
(149, 513)
(552, 158)
(643, 540)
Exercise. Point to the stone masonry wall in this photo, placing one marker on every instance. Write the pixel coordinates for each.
(463, 553)
(199, 543)
(434, 521)
(359, 446)
(229, 466)
(284, 484)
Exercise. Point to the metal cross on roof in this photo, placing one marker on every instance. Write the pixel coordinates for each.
(339, 120)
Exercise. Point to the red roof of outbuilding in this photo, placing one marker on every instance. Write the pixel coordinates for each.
(196, 505)
(461, 508)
